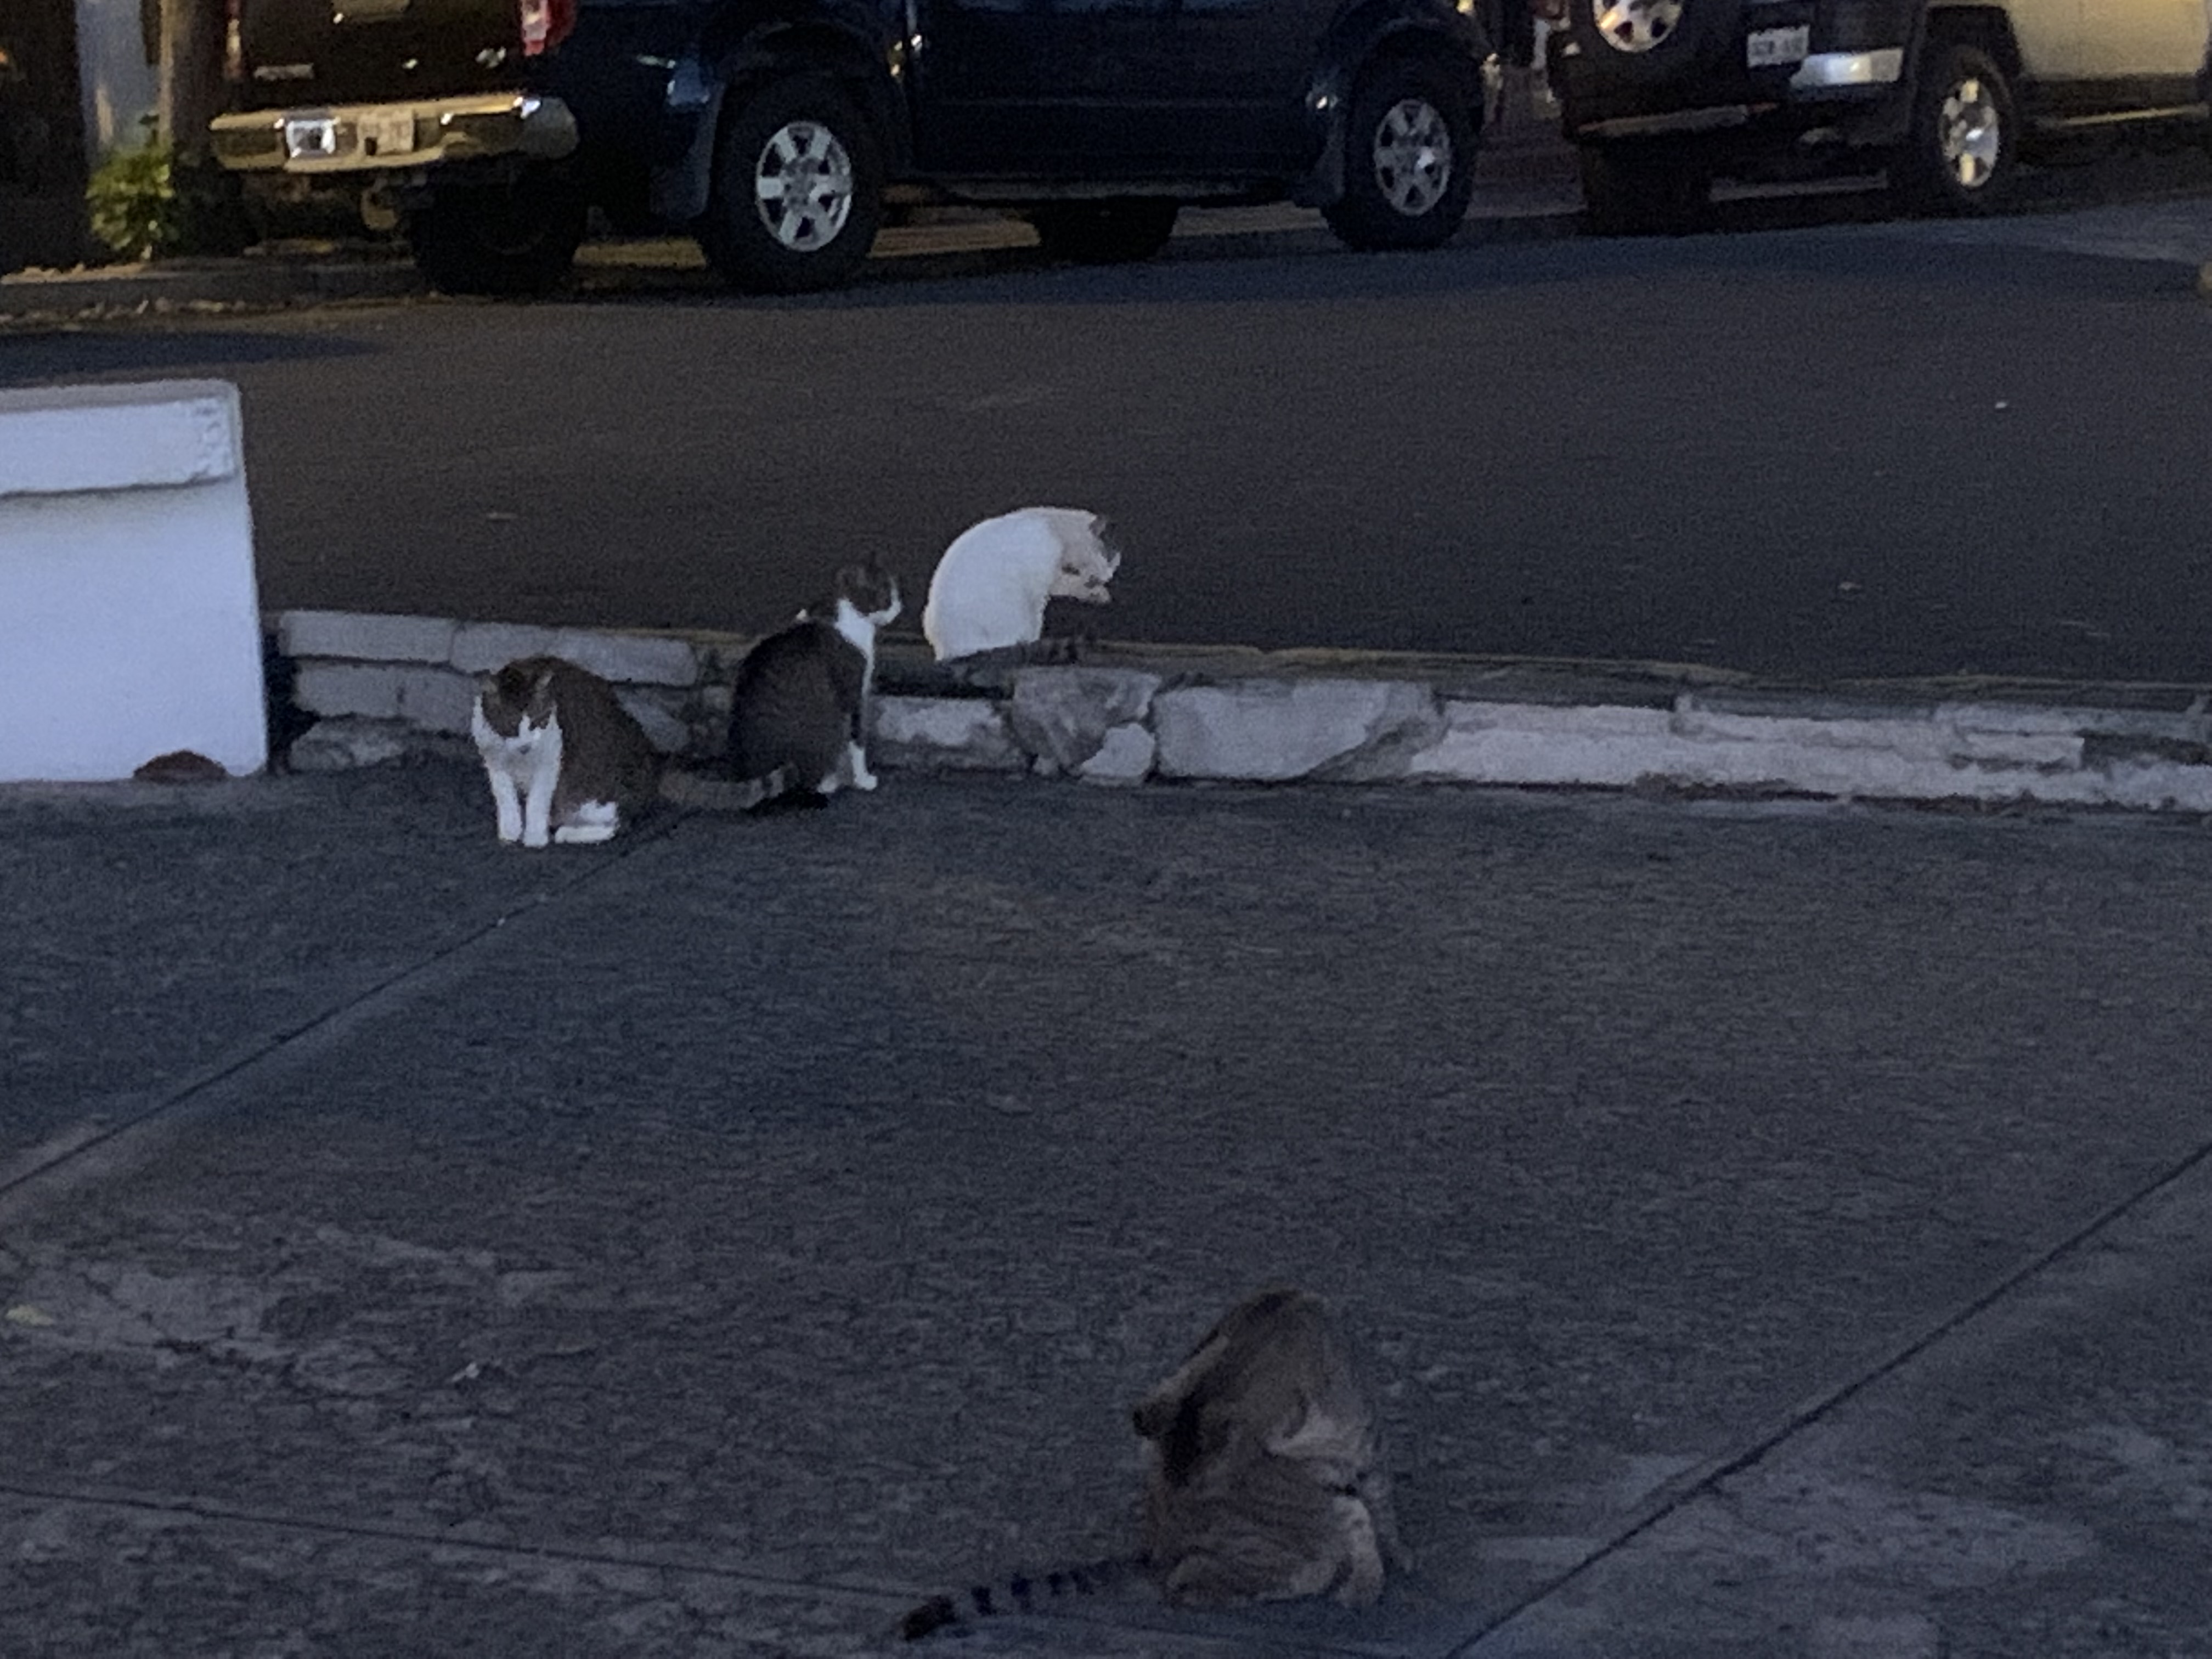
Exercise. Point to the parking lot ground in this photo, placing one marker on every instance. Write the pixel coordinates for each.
(1764, 1225)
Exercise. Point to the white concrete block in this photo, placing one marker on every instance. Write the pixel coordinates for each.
(1582, 720)
(366, 637)
(1963, 732)
(130, 625)
(1906, 759)
(82, 441)
(629, 659)
(431, 699)
(2013, 748)
(435, 701)
(1542, 752)
(965, 733)
(2151, 785)
(1125, 755)
(2022, 717)
(625, 659)
(334, 690)
(1275, 730)
(1910, 734)
(487, 647)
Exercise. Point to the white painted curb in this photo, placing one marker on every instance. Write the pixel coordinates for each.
(380, 685)
(130, 626)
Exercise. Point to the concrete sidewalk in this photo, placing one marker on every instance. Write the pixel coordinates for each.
(1772, 1231)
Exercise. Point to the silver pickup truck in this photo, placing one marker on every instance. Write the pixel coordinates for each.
(1660, 96)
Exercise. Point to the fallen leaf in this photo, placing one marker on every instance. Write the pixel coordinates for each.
(24, 1314)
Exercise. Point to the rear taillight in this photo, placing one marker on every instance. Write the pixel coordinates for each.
(546, 24)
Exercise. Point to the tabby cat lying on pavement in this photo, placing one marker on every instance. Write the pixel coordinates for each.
(1261, 1480)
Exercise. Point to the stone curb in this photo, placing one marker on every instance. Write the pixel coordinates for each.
(376, 687)
(184, 284)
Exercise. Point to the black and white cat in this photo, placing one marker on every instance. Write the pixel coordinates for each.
(990, 586)
(799, 709)
(564, 758)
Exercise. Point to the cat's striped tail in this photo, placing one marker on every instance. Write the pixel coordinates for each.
(713, 794)
(1023, 1593)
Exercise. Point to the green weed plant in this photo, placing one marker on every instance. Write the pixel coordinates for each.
(136, 209)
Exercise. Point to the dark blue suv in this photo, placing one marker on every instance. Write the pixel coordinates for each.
(777, 130)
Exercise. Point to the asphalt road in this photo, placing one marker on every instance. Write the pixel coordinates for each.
(1834, 450)
(706, 1245)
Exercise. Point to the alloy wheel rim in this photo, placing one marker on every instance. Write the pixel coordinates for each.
(1413, 156)
(1972, 137)
(1636, 26)
(802, 186)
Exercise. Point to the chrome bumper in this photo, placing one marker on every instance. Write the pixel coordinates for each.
(427, 132)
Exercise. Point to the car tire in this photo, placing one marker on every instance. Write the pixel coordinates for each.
(1105, 233)
(798, 188)
(1642, 190)
(1409, 144)
(505, 240)
(1648, 42)
(1960, 149)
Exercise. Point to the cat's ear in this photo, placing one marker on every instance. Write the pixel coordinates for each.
(1110, 550)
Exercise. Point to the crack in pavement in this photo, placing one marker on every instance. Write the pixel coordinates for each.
(1705, 1478)
(96, 1155)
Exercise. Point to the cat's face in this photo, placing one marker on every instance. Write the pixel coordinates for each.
(528, 734)
(871, 590)
(515, 711)
(1085, 568)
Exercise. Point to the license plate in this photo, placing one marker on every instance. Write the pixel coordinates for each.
(307, 137)
(386, 132)
(1762, 48)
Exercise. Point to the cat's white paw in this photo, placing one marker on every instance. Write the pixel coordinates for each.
(865, 780)
(591, 821)
(535, 838)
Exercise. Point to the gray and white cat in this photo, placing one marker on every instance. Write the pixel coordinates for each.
(1262, 1482)
(564, 758)
(798, 708)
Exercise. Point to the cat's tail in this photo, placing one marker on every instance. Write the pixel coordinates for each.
(1023, 1593)
(713, 794)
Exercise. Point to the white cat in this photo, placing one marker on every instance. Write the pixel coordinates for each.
(990, 586)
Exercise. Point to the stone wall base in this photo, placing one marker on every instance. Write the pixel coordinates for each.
(381, 687)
